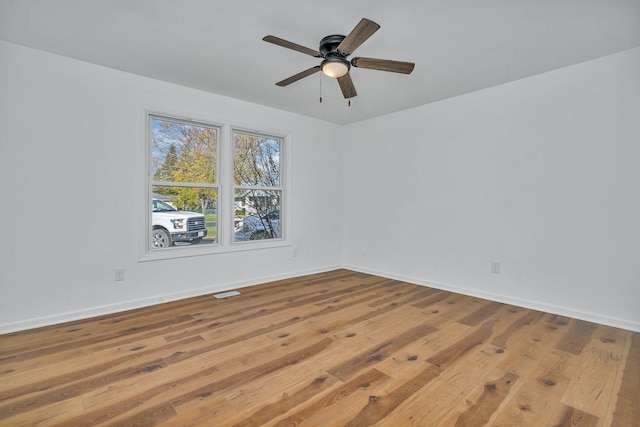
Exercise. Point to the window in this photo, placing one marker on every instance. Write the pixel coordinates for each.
(211, 188)
(184, 190)
(257, 186)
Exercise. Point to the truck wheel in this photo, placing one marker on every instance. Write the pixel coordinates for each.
(160, 239)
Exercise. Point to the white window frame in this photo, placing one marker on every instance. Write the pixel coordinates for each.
(280, 188)
(226, 190)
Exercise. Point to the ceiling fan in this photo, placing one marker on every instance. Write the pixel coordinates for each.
(334, 50)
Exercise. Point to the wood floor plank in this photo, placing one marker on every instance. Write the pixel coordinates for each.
(482, 313)
(202, 416)
(288, 401)
(450, 354)
(538, 339)
(627, 409)
(265, 390)
(432, 298)
(162, 379)
(518, 364)
(592, 389)
(468, 357)
(378, 407)
(329, 349)
(368, 357)
(451, 308)
(401, 363)
(567, 416)
(535, 401)
(250, 374)
(434, 401)
(148, 417)
(59, 394)
(526, 320)
(84, 341)
(335, 395)
(577, 337)
(207, 391)
(53, 414)
(40, 378)
(484, 402)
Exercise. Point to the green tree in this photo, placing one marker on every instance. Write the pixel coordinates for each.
(191, 158)
(164, 172)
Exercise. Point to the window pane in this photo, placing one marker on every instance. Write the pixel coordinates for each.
(256, 160)
(183, 216)
(257, 215)
(183, 152)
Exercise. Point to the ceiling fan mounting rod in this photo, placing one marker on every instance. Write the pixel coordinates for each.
(329, 45)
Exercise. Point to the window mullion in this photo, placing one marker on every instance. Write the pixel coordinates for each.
(184, 184)
(258, 187)
(225, 166)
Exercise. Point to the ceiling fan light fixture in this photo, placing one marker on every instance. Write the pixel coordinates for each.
(335, 67)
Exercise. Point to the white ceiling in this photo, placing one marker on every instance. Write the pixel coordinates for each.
(458, 46)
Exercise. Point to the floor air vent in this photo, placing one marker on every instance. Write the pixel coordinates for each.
(227, 294)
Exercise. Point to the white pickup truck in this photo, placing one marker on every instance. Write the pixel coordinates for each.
(170, 225)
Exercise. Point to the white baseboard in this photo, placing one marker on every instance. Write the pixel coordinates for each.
(22, 325)
(520, 302)
(71, 316)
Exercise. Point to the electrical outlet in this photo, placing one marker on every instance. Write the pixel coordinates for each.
(495, 267)
(118, 274)
(295, 252)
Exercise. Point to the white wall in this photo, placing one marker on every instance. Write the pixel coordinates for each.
(541, 175)
(70, 173)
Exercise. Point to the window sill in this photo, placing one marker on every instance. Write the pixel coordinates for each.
(191, 251)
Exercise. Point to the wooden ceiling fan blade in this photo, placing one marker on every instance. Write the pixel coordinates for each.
(290, 45)
(357, 36)
(383, 65)
(299, 76)
(347, 87)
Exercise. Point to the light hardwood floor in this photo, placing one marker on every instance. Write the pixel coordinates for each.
(332, 349)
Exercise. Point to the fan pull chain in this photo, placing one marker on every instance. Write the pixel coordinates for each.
(320, 88)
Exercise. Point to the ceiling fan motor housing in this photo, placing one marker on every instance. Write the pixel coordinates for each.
(329, 50)
(329, 45)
